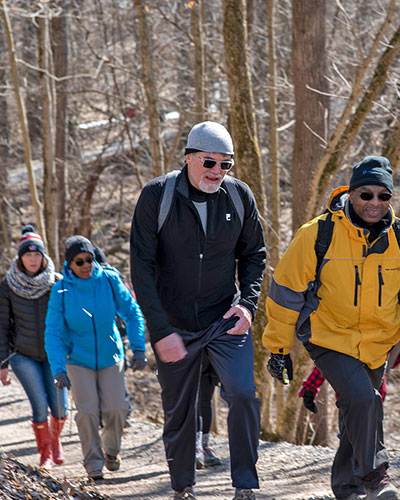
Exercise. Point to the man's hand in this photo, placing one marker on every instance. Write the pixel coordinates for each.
(280, 366)
(309, 401)
(171, 348)
(61, 380)
(4, 378)
(138, 360)
(244, 321)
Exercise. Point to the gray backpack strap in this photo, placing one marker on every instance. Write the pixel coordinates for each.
(166, 198)
(235, 197)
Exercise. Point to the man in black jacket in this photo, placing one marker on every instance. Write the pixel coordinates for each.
(197, 280)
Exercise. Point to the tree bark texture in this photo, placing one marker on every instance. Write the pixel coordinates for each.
(59, 42)
(244, 133)
(48, 115)
(311, 108)
(22, 121)
(4, 152)
(199, 61)
(157, 155)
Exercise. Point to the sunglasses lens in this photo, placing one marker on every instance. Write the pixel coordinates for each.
(381, 196)
(226, 165)
(366, 196)
(208, 163)
(80, 262)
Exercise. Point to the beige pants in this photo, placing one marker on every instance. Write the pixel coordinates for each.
(99, 398)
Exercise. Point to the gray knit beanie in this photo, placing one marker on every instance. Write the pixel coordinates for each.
(210, 137)
(372, 171)
(77, 244)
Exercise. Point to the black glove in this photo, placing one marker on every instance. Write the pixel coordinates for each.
(309, 401)
(61, 380)
(138, 361)
(280, 366)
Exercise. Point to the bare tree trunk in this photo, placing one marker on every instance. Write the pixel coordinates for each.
(157, 155)
(392, 147)
(247, 153)
(85, 222)
(274, 147)
(59, 38)
(199, 61)
(351, 121)
(311, 107)
(274, 230)
(22, 121)
(49, 171)
(4, 152)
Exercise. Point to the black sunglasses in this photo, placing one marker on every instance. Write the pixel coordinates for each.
(80, 262)
(210, 163)
(366, 196)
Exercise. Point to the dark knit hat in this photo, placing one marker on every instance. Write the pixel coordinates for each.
(30, 241)
(99, 255)
(77, 244)
(372, 171)
(210, 137)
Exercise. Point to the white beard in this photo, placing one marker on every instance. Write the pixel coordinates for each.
(208, 187)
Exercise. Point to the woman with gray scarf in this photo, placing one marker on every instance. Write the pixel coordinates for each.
(24, 294)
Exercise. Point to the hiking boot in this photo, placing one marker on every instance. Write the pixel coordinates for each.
(384, 492)
(210, 459)
(244, 495)
(187, 494)
(199, 458)
(96, 475)
(112, 463)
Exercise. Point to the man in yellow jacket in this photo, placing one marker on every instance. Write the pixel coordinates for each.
(346, 312)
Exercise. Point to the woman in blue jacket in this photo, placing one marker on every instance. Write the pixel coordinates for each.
(85, 350)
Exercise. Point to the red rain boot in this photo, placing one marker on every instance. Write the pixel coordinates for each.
(43, 444)
(56, 425)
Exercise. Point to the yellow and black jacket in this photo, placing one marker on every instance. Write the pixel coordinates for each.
(352, 305)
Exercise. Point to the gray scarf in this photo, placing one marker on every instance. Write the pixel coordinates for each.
(31, 287)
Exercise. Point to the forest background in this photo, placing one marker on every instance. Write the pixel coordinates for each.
(97, 97)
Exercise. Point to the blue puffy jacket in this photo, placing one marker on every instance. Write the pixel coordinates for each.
(80, 321)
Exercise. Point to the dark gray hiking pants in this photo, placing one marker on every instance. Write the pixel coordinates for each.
(361, 447)
(232, 357)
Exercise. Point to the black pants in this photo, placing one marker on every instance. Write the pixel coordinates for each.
(232, 357)
(361, 447)
(208, 382)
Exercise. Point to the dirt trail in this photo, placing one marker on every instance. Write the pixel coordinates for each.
(286, 471)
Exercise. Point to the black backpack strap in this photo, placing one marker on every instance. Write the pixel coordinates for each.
(235, 197)
(324, 238)
(396, 228)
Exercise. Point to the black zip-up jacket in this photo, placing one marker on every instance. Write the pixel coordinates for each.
(22, 324)
(184, 278)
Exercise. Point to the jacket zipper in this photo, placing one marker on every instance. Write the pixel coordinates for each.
(381, 283)
(357, 284)
(201, 256)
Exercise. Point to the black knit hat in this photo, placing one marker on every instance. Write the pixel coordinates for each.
(372, 171)
(99, 255)
(77, 244)
(30, 241)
